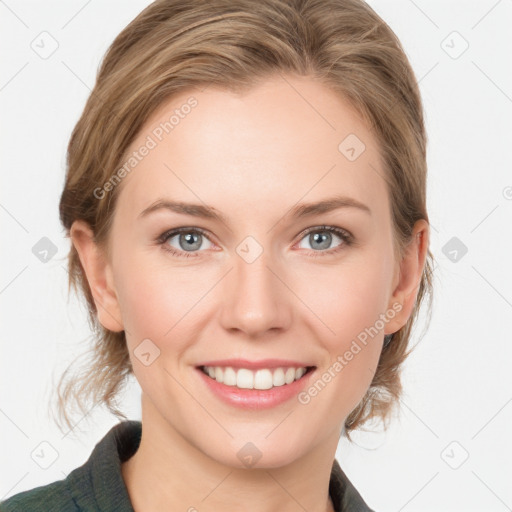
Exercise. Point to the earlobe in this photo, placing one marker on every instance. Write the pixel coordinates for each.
(99, 276)
(409, 276)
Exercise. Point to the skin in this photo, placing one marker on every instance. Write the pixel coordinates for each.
(252, 157)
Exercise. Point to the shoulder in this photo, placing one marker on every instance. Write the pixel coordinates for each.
(96, 485)
(344, 495)
(54, 496)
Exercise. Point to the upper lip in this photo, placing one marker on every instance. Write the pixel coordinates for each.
(256, 365)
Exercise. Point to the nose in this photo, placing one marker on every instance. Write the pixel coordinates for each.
(255, 296)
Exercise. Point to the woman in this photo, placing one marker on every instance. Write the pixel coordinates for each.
(246, 200)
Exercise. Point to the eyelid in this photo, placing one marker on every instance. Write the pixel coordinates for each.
(184, 229)
(341, 232)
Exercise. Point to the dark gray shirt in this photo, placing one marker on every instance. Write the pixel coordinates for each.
(98, 484)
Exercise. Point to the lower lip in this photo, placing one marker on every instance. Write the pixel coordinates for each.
(255, 398)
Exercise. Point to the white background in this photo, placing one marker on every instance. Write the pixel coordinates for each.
(458, 383)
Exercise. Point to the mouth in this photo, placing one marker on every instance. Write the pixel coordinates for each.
(261, 379)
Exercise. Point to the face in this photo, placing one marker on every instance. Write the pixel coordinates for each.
(261, 276)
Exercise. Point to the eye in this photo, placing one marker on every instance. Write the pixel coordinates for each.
(321, 237)
(188, 241)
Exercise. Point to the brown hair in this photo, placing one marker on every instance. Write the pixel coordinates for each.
(175, 45)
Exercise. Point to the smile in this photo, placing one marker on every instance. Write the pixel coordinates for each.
(264, 378)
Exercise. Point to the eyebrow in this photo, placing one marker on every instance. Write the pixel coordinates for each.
(299, 211)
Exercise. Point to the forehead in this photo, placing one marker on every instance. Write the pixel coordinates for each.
(285, 140)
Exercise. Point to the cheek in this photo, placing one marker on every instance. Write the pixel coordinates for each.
(347, 297)
(350, 306)
(158, 301)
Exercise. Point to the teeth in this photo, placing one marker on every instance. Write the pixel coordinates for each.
(263, 379)
(259, 379)
(244, 378)
(230, 377)
(289, 376)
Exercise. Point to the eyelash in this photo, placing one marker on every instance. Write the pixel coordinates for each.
(347, 238)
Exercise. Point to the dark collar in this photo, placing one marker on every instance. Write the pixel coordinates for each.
(100, 478)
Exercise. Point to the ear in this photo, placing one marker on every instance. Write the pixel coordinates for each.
(99, 276)
(408, 276)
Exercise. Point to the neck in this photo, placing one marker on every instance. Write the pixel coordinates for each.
(182, 477)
